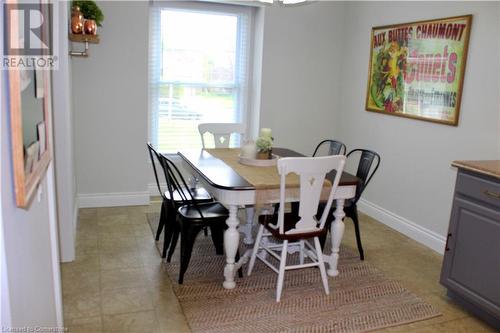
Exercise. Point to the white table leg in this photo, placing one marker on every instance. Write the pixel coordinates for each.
(231, 241)
(337, 232)
(247, 231)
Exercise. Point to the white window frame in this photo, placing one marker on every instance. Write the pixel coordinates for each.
(245, 98)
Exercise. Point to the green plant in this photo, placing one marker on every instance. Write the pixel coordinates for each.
(264, 143)
(90, 10)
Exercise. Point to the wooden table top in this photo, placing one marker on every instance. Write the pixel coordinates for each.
(486, 167)
(219, 175)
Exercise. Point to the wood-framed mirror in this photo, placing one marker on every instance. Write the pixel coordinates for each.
(29, 98)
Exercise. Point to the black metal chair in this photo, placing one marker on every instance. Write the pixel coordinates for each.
(192, 217)
(368, 164)
(169, 200)
(334, 147)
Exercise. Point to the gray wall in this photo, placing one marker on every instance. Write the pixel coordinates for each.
(300, 73)
(110, 104)
(415, 180)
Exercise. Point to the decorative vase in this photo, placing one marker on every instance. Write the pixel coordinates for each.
(249, 150)
(263, 155)
(90, 27)
(76, 21)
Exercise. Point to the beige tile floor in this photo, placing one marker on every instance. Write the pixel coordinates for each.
(118, 284)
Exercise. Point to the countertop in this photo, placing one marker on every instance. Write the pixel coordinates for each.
(490, 168)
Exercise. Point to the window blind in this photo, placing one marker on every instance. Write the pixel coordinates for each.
(198, 70)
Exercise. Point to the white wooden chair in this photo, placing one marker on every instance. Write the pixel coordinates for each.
(285, 227)
(221, 132)
(222, 136)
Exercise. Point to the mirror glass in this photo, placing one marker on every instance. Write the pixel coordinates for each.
(33, 119)
(31, 85)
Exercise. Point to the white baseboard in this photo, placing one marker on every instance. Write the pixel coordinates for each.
(153, 189)
(411, 229)
(113, 199)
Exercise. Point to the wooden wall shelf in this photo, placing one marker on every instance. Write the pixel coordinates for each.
(94, 39)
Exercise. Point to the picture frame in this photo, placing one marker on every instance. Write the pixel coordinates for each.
(416, 70)
(32, 157)
(28, 162)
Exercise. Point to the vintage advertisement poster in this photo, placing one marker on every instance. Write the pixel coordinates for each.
(417, 69)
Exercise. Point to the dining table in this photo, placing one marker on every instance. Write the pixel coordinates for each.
(233, 191)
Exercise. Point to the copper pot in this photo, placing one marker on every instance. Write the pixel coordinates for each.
(90, 27)
(76, 21)
(76, 26)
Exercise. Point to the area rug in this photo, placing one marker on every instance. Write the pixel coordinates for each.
(361, 299)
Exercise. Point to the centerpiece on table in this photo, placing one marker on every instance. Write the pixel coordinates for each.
(265, 144)
(260, 152)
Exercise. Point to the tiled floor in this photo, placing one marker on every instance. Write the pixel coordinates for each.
(117, 283)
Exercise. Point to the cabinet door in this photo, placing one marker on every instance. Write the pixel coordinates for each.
(471, 265)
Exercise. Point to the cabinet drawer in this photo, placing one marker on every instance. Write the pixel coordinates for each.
(479, 188)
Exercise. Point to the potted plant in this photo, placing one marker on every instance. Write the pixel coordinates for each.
(92, 14)
(264, 146)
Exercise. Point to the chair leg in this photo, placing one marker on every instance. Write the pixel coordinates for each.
(166, 240)
(322, 238)
(217, 233)
(173, 243)
(301, 253)
(295, 208)
(240, 270)
(255, 249)
(188, 236)
(322, 270)
(354, 217)
(281, 275)
(161, 223)
(170, 222)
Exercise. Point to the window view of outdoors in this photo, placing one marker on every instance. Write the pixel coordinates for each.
(198, 80)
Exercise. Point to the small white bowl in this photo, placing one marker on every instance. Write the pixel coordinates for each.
(259, 163)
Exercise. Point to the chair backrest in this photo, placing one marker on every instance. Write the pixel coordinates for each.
(369, 162)
(334, 147)
(155, 157)
(221, 132)
(312, 172)
(177, 183)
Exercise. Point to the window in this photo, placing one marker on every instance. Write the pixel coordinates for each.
(198, 70)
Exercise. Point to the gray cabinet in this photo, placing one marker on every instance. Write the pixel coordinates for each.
(471, 265)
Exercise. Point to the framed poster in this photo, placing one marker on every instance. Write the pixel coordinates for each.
(417, 69)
